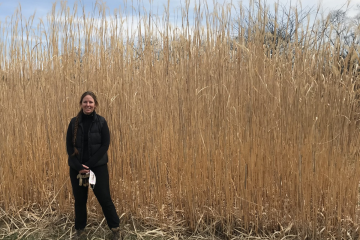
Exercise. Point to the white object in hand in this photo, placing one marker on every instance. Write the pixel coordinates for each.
(92, 178)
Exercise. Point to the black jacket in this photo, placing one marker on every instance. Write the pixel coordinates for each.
(98, 143)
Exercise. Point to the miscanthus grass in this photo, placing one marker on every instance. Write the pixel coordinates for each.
(214, 131)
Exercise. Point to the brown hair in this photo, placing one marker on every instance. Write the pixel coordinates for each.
(76, 152)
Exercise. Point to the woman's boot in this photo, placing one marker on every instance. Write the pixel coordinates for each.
(80, 235)
(116, 235)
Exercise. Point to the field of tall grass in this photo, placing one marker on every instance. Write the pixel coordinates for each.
(214, 131)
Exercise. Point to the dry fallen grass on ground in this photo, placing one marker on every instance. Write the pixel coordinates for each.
(213, 134)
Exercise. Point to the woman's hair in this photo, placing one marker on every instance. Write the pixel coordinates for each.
(76, 152)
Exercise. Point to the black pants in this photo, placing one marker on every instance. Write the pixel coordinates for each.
(102, 193)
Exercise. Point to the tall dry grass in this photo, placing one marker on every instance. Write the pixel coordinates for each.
(210, 132)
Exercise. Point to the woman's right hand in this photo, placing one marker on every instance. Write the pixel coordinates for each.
(84, 170)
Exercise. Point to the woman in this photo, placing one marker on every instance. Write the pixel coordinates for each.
(87, 142)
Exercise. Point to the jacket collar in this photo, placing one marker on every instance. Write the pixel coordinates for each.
(93, 115)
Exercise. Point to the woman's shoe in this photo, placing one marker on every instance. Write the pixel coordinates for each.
(80, 235)
(116, 235)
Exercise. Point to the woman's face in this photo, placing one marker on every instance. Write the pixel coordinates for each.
(88, 104)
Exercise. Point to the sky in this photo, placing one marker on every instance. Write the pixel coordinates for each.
(42, 7)
(130, 18)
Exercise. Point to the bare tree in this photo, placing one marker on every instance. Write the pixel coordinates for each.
(278, 25)
(342, 32)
